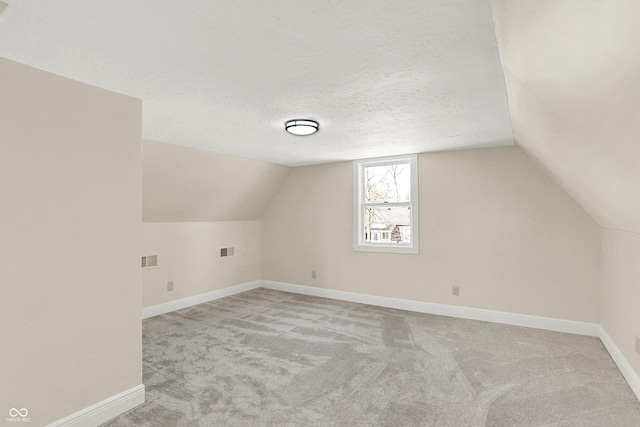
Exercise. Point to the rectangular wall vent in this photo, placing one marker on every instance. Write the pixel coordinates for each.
(224, 252)
(149, 261)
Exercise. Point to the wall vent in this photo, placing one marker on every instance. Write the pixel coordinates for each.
(149, 261)
(225, 252)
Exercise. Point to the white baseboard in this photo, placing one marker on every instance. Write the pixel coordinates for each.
(105, 410)
(550, 324)
(198, 299)
(627, 371)
(537, 322)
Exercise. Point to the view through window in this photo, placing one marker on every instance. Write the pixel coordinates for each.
(386, 196)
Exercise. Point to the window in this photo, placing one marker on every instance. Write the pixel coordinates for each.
(385, 206)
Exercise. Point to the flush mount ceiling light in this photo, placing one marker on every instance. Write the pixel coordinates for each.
(301, 127)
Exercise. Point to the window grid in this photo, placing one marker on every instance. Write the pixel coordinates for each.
(386, 204)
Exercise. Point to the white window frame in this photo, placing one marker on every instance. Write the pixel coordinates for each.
(359, 205)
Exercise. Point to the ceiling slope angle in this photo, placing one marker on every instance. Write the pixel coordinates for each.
(380, 77)
(572, 72)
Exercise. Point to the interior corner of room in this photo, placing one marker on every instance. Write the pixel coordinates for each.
(540, 230)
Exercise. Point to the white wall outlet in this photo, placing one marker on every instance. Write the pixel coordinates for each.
(638, 345)
(455, 290)
(313, 274)
(231, 251)
(170, 286)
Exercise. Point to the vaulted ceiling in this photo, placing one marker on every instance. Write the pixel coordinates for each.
(382, 77)
(572, 70)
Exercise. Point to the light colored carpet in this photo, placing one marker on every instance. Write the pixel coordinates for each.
(269, 358)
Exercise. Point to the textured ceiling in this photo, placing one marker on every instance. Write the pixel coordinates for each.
(381, 77)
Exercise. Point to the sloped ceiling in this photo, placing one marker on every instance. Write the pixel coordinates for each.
(382, 77)
(572, 72)
(186, 184)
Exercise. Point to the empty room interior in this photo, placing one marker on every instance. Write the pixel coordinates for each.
(347, 213)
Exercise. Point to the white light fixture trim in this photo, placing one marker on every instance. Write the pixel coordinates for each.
(301, 127)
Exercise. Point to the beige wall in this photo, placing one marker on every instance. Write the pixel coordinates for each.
(620, 292)
(189, 255)
(571, 72)
(183, 184)
(70, 224)
(491, 222)
(194, 203)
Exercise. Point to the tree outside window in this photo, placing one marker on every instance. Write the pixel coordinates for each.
(386, 203)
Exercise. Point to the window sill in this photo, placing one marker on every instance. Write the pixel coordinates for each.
(382, 248)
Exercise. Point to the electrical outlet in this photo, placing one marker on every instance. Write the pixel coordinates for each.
(455, 290)
(170, 286)
(638, 345)
(313, 274)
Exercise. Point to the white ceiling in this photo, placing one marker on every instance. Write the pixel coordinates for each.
(381, 77)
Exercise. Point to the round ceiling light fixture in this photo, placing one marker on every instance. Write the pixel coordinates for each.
(301, 127)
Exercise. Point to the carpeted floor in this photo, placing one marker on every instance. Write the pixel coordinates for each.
(269, 358)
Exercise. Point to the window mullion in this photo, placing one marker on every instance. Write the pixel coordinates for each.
(386, 226)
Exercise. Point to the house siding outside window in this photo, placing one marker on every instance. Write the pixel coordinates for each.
(386, 204)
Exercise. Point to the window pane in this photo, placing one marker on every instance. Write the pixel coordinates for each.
(387, 225)
(387, 183)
